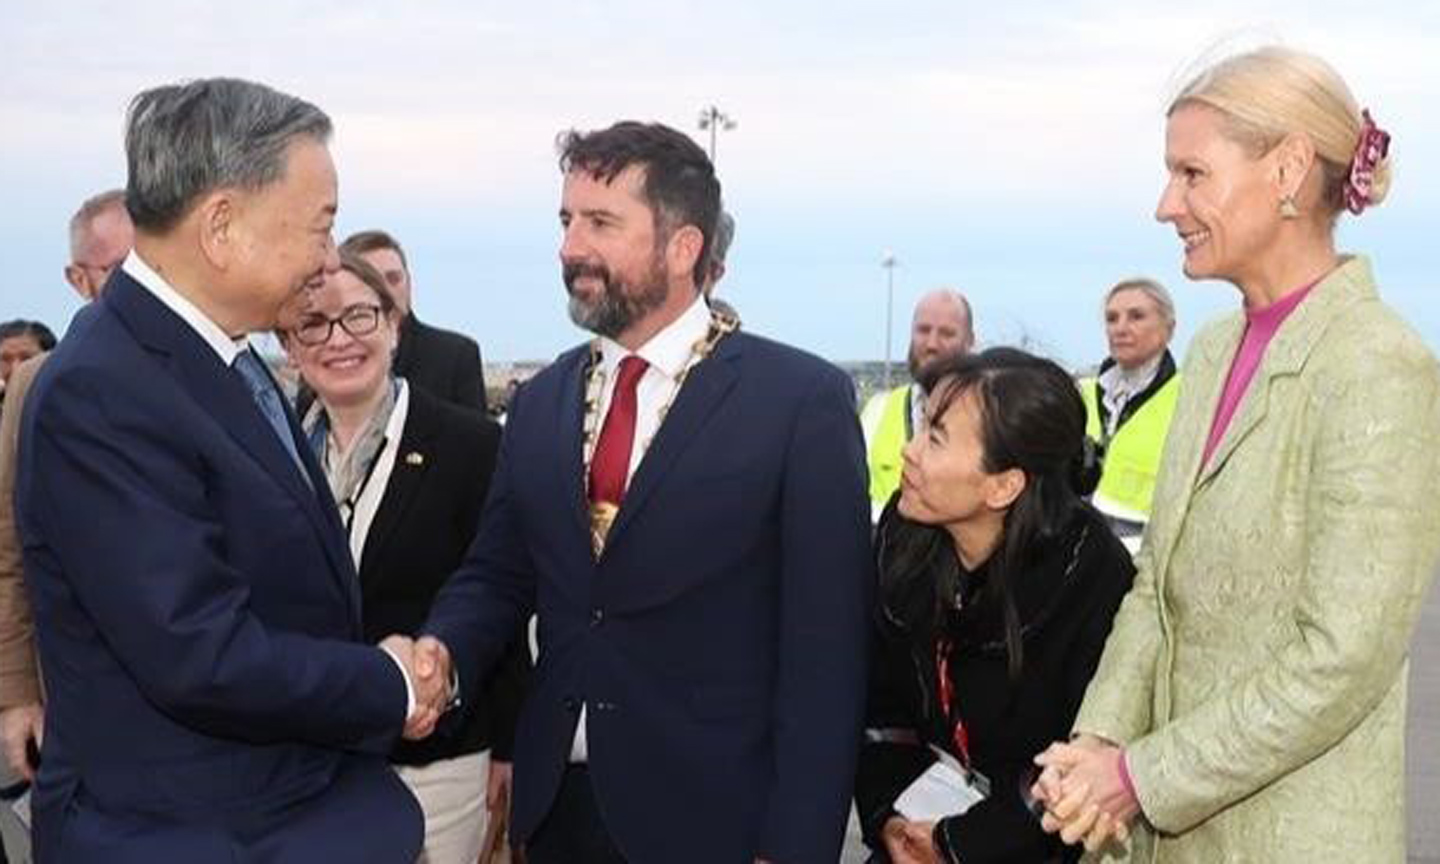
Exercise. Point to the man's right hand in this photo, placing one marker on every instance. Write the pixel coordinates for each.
(18, 727)
(427, 664)
(433, 673)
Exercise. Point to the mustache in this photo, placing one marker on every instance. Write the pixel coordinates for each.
(579, 270)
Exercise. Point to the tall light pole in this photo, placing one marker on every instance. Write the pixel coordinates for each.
(714, 120)
(889, 262)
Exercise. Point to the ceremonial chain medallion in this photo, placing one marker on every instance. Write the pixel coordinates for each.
(603, 513)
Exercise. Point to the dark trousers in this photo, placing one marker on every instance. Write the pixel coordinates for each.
(573, 832)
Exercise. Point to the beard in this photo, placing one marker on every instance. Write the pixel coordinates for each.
(917, 368)
(620, 304)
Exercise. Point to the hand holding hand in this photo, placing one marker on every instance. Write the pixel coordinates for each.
(18, 727)
(429, 702)
(431, 677)
(1085, 795)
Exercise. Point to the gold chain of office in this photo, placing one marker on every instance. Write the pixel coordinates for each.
(603, 513)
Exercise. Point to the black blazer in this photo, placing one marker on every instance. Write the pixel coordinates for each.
(1066, 598)
(425, 522)
(443, 363)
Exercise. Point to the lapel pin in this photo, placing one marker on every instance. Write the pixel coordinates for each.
(414, 458)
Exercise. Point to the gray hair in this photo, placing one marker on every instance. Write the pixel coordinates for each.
(1150, 288)
(184, 140)
(88, 213)
(724, 236)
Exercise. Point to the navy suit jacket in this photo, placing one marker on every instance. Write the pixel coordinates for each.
(719, 642)
(209, 698)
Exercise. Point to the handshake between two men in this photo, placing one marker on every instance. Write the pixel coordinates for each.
(430, 679)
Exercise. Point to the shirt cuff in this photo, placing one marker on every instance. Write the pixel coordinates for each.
(409, 688)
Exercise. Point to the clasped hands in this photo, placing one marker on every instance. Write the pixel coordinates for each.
(427, 663)
(1084, 792)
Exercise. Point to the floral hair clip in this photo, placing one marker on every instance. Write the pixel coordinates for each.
(1374, 144)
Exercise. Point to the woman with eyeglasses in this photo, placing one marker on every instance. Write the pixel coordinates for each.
(409, 474)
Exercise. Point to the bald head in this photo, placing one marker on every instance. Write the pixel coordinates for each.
(941, 329)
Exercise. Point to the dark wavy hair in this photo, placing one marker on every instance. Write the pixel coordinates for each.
(680, 186)
(1031, 418)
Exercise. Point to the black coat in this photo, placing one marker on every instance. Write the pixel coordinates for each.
(443, 363)
(1066, 600)
(425, 522)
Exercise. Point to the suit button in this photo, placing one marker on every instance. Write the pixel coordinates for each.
(604, 706)
(597, 615)
(571, 704)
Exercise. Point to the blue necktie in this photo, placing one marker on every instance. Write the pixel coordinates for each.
(267, 398)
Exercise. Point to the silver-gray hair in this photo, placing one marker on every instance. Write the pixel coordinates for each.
(184, 140)
(724, 236)
(1150, 288)
(88, 213)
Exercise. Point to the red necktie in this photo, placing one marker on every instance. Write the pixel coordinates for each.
(610, 464)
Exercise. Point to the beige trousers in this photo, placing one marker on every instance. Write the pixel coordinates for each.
(452, 795)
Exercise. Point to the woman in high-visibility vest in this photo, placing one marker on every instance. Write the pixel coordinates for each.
(1129, 403)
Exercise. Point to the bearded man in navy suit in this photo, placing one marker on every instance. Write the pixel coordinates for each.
(209, 696)
(683, 506)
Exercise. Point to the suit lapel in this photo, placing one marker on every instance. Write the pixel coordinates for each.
(224, 395)
(704, 390)
(570, 458)
(413, 458)
(1288, 351)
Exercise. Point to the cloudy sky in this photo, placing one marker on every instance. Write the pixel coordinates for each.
(1011, 150)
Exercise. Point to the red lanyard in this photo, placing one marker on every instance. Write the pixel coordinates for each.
(947, 700)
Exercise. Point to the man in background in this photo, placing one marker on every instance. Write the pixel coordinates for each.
(942, 328)
(100, 237)
(441, 362)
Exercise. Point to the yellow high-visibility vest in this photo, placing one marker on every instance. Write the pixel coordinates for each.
(886, 444)
(1132, 458)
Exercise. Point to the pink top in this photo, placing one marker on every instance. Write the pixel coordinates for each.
(1260, 328)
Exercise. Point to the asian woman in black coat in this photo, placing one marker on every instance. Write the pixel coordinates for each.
(997, 588)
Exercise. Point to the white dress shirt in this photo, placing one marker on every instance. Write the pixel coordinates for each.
(225, 346)
(667, 354)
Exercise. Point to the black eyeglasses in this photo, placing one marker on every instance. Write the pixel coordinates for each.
(362, 319)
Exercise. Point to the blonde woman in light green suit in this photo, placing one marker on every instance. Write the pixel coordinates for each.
(1250, 703)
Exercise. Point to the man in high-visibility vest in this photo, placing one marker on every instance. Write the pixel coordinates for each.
(942, 328)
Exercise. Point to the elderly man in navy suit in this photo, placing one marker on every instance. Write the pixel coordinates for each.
(683, 506)
(197, 610)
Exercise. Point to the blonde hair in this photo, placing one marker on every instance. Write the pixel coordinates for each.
(1150, 288)
(1271, 92)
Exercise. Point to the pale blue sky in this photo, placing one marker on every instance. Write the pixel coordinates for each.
(1013, 153)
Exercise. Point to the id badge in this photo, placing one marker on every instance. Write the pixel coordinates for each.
(947, 788)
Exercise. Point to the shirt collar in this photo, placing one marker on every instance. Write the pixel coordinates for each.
(1118, 379)
(220, 341)
(669, 350)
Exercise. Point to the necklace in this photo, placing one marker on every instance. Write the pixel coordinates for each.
(603, 513)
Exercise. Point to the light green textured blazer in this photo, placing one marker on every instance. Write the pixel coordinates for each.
(1256, 671)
